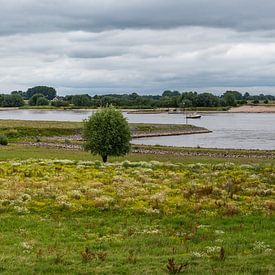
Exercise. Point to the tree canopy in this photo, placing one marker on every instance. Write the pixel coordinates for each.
(13, 100)
(48, 92)
(107, 133)
(38, 100)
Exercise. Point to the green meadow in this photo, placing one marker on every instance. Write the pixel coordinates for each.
(83, 217)
(158, 210)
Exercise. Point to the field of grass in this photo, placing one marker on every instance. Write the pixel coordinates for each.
(81, 217)
(157, 210)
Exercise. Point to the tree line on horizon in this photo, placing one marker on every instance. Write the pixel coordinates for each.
(44, 96)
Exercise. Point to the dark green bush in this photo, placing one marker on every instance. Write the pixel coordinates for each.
(3, 140)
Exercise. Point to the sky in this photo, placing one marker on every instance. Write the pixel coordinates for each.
(144, 46)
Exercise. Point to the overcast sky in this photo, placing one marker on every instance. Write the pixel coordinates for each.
(147, 46)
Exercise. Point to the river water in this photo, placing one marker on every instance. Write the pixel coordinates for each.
(229, 130)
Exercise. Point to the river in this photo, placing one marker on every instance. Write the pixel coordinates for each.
(229, 130)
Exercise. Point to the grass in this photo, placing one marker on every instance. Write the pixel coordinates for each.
(39, 124)
(22, 152)
(210, 214)
(27, 130)
(130, 218)
(241, 152)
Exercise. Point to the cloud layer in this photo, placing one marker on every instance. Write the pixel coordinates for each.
(137, 45)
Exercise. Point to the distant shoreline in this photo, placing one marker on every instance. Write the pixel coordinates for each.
(252, 109)
(240, 109)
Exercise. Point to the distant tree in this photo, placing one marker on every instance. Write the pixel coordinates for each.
(207, 100)
(255, 101)
(18, 93)
(237, 95)
(42, 101)
(190, 98)
(13, 100)
(60, 103)
(33, 100)
(170, 93)
(106, 101)
(246, 96)
(186, 103)
(229, 100)
(81, 100)
(107, 133)
(48, 92)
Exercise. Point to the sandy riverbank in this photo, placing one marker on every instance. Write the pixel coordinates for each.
(253, 109)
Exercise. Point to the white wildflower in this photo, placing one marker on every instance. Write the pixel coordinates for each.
(197, 254)
(21, 209)
(76, 194)
(27, 247)
(212, 249)
(261, 247)
(219, 232)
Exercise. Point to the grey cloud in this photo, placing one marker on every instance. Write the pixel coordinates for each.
(142, 60)
(98, 15)
(142, 45)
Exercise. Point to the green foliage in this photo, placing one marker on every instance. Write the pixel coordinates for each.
(107, 133)
(207, 100)
(42, 101)
(3, 140)
(168, 99)
(170, 93)
(38, 100)
(235, 94)
(13, 100)
(81, 100)
(60, 103)
(48, 92)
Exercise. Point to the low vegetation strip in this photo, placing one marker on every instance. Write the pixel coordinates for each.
(136, 217)
(154, 130)
(18, 130)
(215, 153)
(165, 150)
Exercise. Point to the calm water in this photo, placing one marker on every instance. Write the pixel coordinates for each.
(240, 131)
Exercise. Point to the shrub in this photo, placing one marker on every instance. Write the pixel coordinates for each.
(60, 103)
(42, 101)
(33, 100)
(3, 140)
(107, 133)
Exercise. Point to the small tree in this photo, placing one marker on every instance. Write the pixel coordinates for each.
(33, 100)
(107, 133)
(42, 101)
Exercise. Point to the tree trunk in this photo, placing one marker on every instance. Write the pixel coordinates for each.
(104, 158)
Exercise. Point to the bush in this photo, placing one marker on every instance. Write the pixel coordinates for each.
(11, 100)
(256, 101)
(38, 100)
(60, 103)
(107, 133)
(42, 101)
(3, 140)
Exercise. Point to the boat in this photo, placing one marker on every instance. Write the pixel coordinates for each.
(193, 116)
